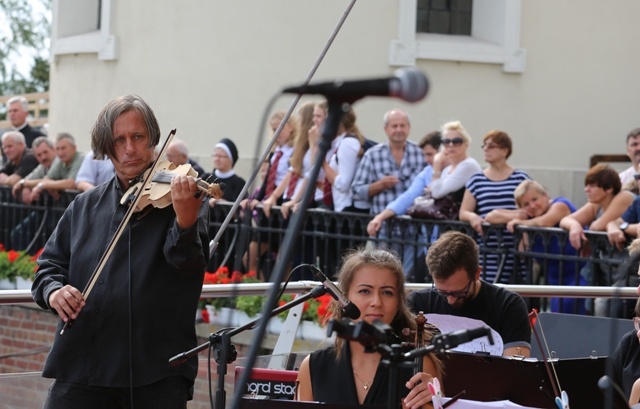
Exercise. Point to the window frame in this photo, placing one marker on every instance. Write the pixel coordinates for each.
(495, 37)
(99, 41)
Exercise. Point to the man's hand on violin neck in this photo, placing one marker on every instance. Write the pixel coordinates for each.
(186, 203)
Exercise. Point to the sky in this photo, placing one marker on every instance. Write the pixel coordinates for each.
(24, 57)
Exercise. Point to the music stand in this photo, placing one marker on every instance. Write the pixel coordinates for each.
(523, 381)
(577, 336)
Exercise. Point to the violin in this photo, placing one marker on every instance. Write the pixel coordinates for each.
(157, 193)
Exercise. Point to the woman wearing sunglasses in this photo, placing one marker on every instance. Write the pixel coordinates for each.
(452, 178)
(451, 170)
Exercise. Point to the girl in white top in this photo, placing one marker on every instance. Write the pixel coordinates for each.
(341, 164)
(313, 137)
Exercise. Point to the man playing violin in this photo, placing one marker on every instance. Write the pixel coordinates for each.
(140, 310)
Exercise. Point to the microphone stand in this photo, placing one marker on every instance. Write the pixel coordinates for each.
(336, 110)
(225, 352)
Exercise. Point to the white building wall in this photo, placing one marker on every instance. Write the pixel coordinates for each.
(208, 69)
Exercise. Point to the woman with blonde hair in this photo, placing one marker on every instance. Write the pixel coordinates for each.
(451, 170)
(373, 280)
(276, 173)
(542, 211)
(299, 163)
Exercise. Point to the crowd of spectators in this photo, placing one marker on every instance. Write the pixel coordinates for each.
(382, 181)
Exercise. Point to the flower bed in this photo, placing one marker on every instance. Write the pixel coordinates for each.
(315, 310)
(16, 266)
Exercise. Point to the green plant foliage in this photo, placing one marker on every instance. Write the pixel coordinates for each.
(16, 264)
(250, 304)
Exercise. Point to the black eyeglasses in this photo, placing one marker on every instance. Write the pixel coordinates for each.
(455, 294)
(455, 141)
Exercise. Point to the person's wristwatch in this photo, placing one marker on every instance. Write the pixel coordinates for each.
(624, 226)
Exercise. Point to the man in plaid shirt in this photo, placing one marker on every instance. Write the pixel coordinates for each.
(386, 170)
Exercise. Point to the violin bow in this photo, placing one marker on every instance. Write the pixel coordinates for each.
(548, 363)
(123, 223)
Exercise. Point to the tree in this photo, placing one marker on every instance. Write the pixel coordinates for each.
(24, 36)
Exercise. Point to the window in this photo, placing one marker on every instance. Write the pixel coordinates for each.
(494, 37)
(83, 26)
(444, 17)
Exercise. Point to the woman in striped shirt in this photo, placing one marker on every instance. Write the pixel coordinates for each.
(488, 198)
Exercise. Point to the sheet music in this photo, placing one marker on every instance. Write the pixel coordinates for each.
(472, 404)
(450, 323)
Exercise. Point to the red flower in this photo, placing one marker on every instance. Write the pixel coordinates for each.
(12, 255)
(324, 310)
(210, 278)
(236, 277)
(1, 247)
(205, 316)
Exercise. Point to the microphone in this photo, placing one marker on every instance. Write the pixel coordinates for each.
(348, 308)
(443, 342)
(607, 385)
(408, 84)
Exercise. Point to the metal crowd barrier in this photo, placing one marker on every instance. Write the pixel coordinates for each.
(17, 297)
(540, 256)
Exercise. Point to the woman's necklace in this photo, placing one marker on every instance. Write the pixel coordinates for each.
(365, 385)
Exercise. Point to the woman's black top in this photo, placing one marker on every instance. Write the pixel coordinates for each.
(333, 381)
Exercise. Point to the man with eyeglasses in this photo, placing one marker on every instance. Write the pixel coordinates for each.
(458, 290)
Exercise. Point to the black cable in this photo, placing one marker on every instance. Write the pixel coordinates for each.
(34, 351)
